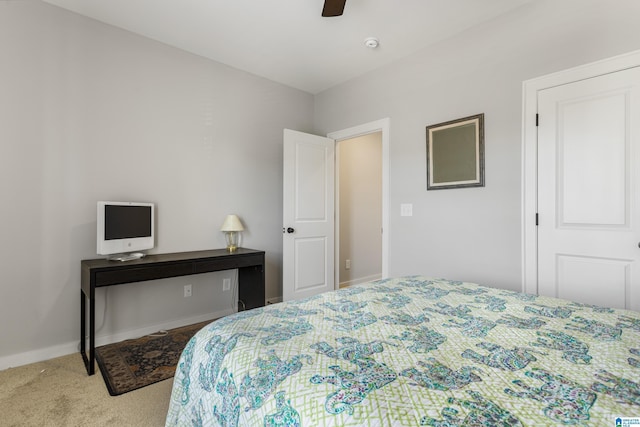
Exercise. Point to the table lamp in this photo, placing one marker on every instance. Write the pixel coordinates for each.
(231, 227)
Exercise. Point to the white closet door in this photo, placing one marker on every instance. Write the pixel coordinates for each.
(589, 190)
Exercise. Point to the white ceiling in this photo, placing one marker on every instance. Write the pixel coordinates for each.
(287, 40)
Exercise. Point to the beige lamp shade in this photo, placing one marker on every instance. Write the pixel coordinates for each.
(232, 223)
(231, 226)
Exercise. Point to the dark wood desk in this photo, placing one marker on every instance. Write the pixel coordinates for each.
(102, 272)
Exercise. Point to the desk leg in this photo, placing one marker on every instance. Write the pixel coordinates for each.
(89, 362)
(83, 328)
(251, 287)
(92, 334)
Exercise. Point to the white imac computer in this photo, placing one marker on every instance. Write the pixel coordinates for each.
(124, 228)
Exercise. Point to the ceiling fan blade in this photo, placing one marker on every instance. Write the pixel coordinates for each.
(333, 7)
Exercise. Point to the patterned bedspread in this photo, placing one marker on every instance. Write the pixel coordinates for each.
(412, 351)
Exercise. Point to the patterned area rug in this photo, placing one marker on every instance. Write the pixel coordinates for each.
(136, 363)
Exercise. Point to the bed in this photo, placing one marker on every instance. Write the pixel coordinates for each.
(412, 351)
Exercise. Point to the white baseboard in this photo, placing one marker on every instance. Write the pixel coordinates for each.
(33, 356)
(39, 355)
(360, 280)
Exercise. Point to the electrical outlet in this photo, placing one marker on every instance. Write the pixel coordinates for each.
(187, 291)
(347, 264)
(226, 284)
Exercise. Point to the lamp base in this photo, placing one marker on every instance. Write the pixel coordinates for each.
(232, 240)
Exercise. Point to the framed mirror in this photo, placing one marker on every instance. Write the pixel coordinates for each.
(455, 153)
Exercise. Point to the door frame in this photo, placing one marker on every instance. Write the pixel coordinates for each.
(530, 89)
(382, 126)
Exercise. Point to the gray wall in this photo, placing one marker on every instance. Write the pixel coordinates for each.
(473, 234)
(89, 112)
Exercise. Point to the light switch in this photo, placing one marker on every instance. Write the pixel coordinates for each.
(406, 209)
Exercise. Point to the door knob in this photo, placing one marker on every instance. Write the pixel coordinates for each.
(290, 230)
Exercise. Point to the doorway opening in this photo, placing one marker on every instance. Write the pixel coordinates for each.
(359, 209)
(310, 242)
(379, 130)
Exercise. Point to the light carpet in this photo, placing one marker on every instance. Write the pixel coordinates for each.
(58, 392)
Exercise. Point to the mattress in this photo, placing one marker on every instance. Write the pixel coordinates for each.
(412, 351)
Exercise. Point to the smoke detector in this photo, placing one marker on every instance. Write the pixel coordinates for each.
(371, 42)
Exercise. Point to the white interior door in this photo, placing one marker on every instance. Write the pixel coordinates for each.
(589, 190)
(308, 215)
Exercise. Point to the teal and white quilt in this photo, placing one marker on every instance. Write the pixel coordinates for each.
(412, 351)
